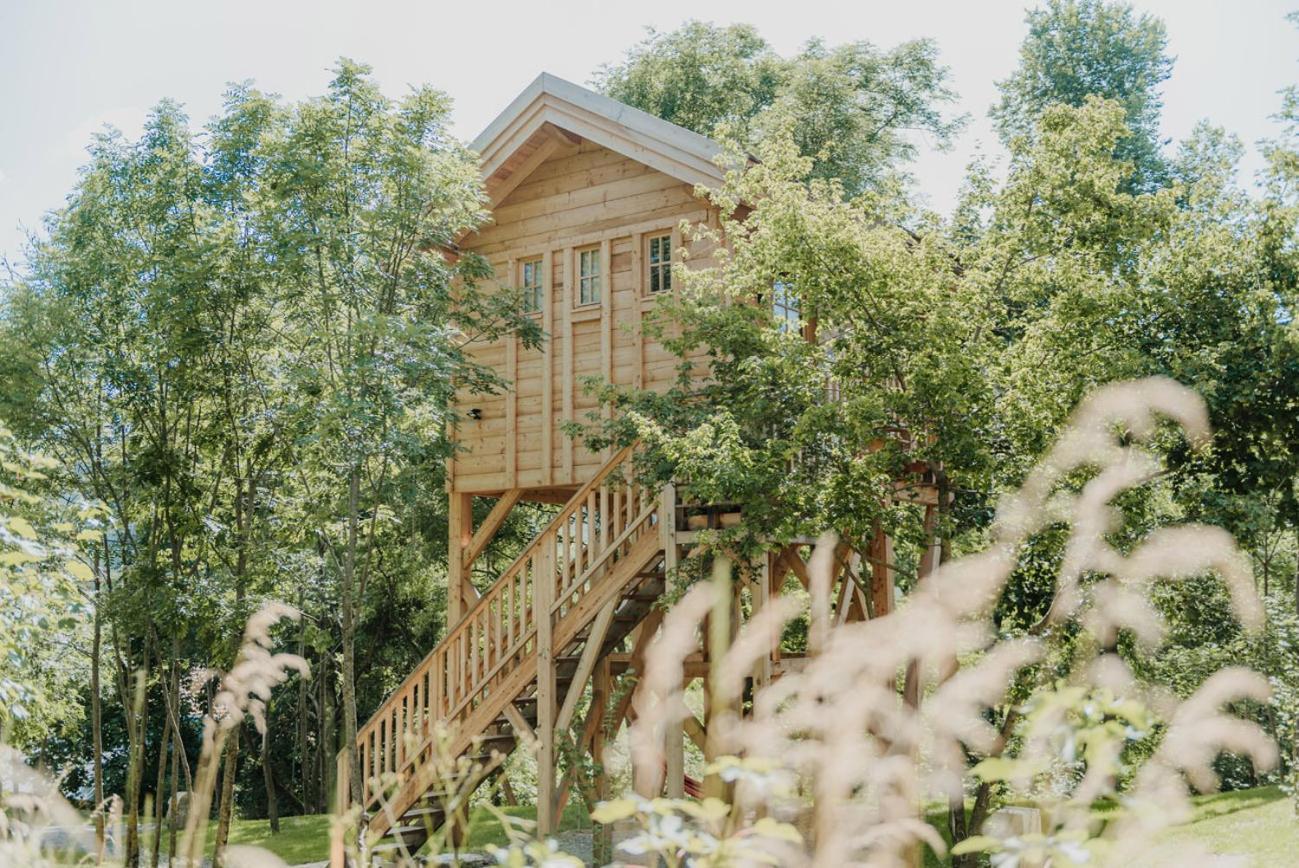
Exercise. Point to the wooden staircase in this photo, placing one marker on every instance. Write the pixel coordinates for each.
(520, 657)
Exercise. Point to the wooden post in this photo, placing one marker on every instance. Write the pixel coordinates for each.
(543, 599)
(548, 370)
(674, 733)
(602, 838)
(881, 556)
(718, 640)
(761, 598)
(460, 529)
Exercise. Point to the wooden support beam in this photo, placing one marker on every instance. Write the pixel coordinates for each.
(592, 737)
(522, 729)
(762, 670)
(487, 531)
(586, 664)
(636, 664)
(697, 733)
(673, 735)
(547, 369)
(798, 567)
(601, 685)
(460, 519)
(543, 599)
(566, 359)
(881, 557)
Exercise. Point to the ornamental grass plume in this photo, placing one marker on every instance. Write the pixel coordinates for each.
(836, 748)
(244, 691)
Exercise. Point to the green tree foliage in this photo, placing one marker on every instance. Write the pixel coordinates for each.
(41, 582)
(244, 344)
(807, 419)
(1076, 49)
(854, 108)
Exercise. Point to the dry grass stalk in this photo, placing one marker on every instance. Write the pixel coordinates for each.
(244, 690)
(849, 750)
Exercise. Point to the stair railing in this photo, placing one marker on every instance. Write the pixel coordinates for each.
(499, 632)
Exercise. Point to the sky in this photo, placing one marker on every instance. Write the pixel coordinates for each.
(68, 67)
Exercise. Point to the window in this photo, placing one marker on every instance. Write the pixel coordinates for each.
(660, 263)
(785, 307)
(532, 285)
(588, 276)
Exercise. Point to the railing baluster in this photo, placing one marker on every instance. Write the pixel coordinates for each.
(604, 517)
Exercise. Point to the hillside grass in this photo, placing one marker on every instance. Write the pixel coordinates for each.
(1258, 824)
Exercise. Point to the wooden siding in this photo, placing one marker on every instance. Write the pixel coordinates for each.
(581, 197)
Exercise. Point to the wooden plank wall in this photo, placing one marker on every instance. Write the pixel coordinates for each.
(584, 197)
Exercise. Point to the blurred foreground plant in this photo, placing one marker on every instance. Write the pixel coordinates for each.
(838, 750)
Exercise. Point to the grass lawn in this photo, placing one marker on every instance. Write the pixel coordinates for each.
(306, 839)
(1259, 824)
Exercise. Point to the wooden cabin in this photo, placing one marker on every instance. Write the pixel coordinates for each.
(587, 197)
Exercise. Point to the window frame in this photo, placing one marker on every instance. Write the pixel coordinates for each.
(663, 268)
(783, 302)
(595, 253)
(539, 288)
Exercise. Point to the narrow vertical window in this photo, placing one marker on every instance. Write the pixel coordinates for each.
(785, 307)
(588, 276)
(660, 263)
(531, 283)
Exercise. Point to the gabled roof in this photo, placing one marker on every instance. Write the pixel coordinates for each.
(552, 112)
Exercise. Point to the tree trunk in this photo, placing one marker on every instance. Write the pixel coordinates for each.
(226, 810)
(328, 738)
(160, 789)
(173, 802)
(138, 715)
(348, 606)
(272, 806)
(97, 722)
(301, 764)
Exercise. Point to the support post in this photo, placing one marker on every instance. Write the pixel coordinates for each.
(674, 734)
(543, 599)
(881, 556)
(460, 529)
(602, 838)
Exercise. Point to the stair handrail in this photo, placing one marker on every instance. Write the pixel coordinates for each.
(385, 711)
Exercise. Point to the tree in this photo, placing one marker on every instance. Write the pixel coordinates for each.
(244, 344)
(856, 107)
(368, 196)
(1077, 49)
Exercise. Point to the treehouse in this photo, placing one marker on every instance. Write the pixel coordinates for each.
(587, 200)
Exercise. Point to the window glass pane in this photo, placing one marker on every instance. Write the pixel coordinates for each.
(588, 284)
(533, 292)
(660, 263)
(785, 307)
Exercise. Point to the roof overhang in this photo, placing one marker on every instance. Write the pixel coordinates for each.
(552, 114)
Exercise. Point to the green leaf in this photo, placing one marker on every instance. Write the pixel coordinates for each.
(79, 570)
(976, 844)
(613, 811)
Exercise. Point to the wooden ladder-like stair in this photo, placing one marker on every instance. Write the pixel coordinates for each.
(596, 568)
